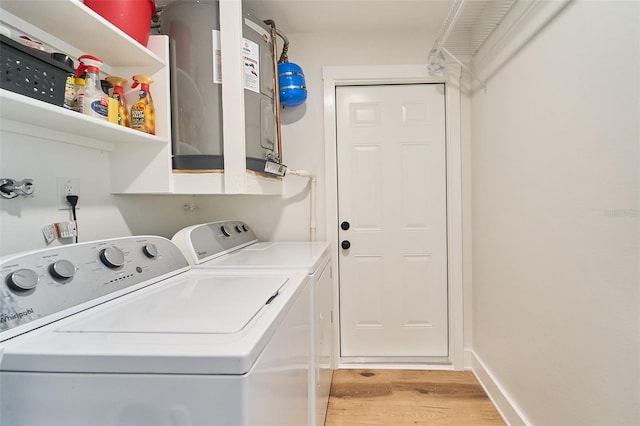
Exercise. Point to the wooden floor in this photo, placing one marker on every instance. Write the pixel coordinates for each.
(408, 397)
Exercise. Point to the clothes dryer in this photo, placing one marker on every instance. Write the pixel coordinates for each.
(233, 246)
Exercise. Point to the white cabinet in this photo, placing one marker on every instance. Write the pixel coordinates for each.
(140, 163)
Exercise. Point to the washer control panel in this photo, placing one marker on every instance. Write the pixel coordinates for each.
(39, 284)
(206, 241)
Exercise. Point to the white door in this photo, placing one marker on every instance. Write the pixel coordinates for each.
(392, 200)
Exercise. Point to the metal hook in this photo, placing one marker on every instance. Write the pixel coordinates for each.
(10, 188)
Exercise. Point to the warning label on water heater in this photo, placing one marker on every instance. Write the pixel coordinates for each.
(250, 62)
(217, 57)
(251, 65)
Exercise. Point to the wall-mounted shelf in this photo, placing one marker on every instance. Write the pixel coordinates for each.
(68, 126)
(71, 27)
(140, 163)
(468, 25)
(74, 28)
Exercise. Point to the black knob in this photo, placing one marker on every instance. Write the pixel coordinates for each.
(225, 231)
(345, 244)
(345, 225)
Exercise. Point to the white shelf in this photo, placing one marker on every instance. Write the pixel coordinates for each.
(74, 23)
(208, 183)
(140, 163)
(37, 118)
(468, 25)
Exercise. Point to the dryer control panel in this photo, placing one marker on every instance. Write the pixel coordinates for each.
(44, 285)
(201, 243)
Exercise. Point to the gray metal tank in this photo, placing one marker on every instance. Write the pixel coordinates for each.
(196, 86)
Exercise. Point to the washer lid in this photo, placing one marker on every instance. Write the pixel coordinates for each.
(203, 305)
(196, 323)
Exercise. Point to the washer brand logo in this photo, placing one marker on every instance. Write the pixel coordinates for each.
(4, 318)
(202, 253)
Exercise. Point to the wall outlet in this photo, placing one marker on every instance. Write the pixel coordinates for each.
(67, 186)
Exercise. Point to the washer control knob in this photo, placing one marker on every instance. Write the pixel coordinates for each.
(150, 250)
(225, 231)
(62, 269)
(238, 229)
(22, 279)
(112, 257)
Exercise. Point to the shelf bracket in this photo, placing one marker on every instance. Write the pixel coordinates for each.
(436, 58)
(459, 62)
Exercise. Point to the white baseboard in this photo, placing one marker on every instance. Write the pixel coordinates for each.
(510, 413)
(393, 366)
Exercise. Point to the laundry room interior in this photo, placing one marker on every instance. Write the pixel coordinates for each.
(524, 205)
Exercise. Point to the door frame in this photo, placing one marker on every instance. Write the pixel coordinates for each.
(402, 74)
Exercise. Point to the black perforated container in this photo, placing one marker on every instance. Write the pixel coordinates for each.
(31, 72)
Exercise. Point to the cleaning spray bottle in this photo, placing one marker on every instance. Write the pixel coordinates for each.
(143, 113)
(93, 101)
(118, 94)
(112, 107)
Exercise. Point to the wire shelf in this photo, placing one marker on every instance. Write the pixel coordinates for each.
(467, 26)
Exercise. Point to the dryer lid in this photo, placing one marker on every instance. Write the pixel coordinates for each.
(274, 255)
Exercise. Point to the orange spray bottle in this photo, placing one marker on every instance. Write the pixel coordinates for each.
(118, 94)
(143, 113)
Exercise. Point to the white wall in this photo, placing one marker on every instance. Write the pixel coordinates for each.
(100, 215)
(287, 218)
(103, 215)
(556, 219)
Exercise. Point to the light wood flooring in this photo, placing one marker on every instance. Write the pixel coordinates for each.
(408, 397)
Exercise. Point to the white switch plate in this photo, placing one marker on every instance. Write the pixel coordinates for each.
(67, 186)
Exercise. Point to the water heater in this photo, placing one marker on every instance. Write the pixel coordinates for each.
(193, 27)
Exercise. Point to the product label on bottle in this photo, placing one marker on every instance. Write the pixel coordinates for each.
(100, 107)
(137, 118)
(70, 93)
(121, 110)
(80, 102)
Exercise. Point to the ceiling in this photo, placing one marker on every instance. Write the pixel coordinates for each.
(312, 16)
(305, 16)
(468, 22)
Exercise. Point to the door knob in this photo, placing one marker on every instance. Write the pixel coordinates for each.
(345, 225)
(345, 244)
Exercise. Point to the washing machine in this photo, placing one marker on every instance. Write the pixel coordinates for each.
(124, 332)
(232, 245)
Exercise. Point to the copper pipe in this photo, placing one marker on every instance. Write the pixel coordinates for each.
(276, 86)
